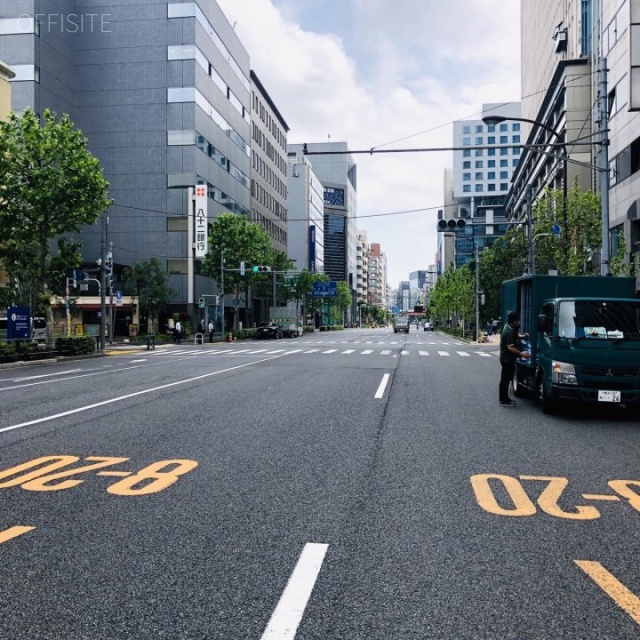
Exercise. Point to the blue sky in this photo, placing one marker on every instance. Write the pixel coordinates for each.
(392, 73)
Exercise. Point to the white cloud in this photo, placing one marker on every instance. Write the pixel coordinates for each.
(400, 71)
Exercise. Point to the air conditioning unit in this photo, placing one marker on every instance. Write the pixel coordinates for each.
(561, 40)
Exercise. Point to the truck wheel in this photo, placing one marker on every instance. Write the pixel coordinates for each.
(547, 404)
(518, 390)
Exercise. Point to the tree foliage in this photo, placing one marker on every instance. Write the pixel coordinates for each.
(148, 281)
(50, 185)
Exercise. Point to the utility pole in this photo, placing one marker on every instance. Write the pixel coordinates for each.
(103, 281)
(222, 289)
(530, 247)
(477, 258)
(274, 304)
(603, 163)
(111, 311)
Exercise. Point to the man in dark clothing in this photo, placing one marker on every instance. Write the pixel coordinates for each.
(509, 353)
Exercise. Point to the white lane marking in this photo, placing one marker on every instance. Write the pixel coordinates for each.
(275, 351)
(443, 353)
(140, 360)
(385, 352)
(131, 395)
(288, 613)
(383, 385)
(464, 354)
(330, 351)
(45, 375)
(404, 353)
(484, 355)
(423, 353)
(240, 350)
(347, 351)
(366, 352)
(257, 351)
(293, 351)
(312, 350)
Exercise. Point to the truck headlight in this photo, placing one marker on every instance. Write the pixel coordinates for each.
(563, 373)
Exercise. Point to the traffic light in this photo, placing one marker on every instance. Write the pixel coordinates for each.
(242, 268)
(261, 269)
(453, 224)
(201, 303)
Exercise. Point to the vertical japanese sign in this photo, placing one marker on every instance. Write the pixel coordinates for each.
(312, 248)
(201, 220)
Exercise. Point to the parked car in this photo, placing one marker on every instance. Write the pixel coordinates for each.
(428, 326)
(268, 330)
(291, 330)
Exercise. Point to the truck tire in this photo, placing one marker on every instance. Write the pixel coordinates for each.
(518, 390)
(547, 403)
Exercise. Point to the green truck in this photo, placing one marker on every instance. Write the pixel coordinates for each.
(584, 339)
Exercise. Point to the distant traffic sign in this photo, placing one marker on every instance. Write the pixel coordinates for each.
(236, 302)
(325, 289)
(118, 298)
(555, 229)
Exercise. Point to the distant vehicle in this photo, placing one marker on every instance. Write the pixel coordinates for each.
(428, 326)
(269, 330)
(291, 330)
(401, 323)
(39, 330)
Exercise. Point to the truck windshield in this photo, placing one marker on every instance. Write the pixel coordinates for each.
(599, 319)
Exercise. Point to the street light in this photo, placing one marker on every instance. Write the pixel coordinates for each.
(497, 119)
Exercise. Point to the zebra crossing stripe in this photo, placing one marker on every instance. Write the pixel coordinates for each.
(423, 353)
(366, 352)
(443, 353)
(386, 352)
(348, 351)
(483, 354)
(330, 351)
(404, 353)
(463, 353)
(312, 350)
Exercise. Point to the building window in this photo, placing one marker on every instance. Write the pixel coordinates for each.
(466, 188)
(478, 128)
(491, 175)
(504, 186)
(491, 128)
(504, 175)
(478, 175)
(491, 140)
(466, 129)
(491, 152)
(479, 164)
(466, 153)
(504, 139)
(515, 139)
(504, 127)
(504, 152)
(515, 126)
(466, 176)
(504, 163)
(466, 142)
(466, 164)
(478, 140)
(479, 188)
(492, 187)
(515, 163)
(478, 153)
(491, 164)
(515, 152)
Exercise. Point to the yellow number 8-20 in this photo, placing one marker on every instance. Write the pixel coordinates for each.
(152, 478)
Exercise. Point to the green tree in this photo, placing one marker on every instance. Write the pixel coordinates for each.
(50, 185)
(148, 281)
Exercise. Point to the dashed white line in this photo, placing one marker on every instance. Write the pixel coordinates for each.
(443, 353)
(464, 354)
(382, 386)
(385, 352)
(347, 351)
(423, 353)
(366, 352)
(330, 351)
(288, 613)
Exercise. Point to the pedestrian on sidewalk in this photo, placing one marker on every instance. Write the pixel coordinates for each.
(210, 330)
(509, 353)
(178, 332)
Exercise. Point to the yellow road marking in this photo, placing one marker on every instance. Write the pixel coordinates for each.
(593, 496)
(13, 532)
(624, 598)
(114, 473)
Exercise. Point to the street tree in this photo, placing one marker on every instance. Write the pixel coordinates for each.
(50, 185)
(148, 281)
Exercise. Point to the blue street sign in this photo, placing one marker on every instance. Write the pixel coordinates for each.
(395, 309)
(328, 289)
(555, 229)
(119, 295)
(18, 323)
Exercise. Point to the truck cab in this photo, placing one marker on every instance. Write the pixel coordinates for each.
(401, 323)
(584, 339)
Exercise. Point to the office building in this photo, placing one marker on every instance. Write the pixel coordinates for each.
(378, 288)
(362, 268)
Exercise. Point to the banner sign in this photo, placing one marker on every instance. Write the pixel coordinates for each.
(325, 289)
(312, 248)
(18, 323)
(201, 220)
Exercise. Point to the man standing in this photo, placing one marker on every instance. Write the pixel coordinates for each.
(210, 330)
(509, 353)
(178, 331)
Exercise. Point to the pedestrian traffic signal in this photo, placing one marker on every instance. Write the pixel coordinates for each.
(261, 269)
(201, 303)
(453, 224)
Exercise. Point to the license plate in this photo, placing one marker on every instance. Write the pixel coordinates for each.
(608, 396)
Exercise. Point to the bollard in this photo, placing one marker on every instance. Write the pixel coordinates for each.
(230, 337)
(151, 343)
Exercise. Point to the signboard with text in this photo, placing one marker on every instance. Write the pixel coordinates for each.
(201, 220)
(327, 289)
(18, 323)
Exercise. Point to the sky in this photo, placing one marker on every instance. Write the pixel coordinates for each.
(385, 74)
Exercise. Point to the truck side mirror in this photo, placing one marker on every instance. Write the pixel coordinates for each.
(542, 323)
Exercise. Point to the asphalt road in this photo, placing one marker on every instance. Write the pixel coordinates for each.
(349, 485)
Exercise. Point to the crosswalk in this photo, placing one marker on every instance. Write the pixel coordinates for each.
(405, 352)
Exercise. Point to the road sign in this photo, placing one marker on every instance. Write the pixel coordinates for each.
(325, 289)
(555, 229)
(118, 298)
(201, 303)
(236, 302)
(395, 309)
